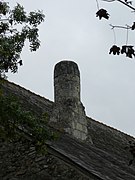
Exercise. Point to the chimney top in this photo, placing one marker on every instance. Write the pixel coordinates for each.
(66, 67)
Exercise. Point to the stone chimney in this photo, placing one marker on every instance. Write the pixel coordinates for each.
(68, 112)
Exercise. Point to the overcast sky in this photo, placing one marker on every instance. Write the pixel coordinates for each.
(72, 31)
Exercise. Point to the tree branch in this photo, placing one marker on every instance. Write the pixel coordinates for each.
(108, 0)
(126, 4)
(123, 27)
(4, 19)
(131, 7)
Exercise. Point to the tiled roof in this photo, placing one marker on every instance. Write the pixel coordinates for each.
(106, 159)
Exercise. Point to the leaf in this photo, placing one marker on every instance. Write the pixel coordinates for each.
(133, 26)
(15, 28)
(115, 50)
(123, 50)
(35, 18)
(128, 2)
(4, 27)
(20, 62)
(19, 15)
(128, 50)
(4, 8)
(102, 13)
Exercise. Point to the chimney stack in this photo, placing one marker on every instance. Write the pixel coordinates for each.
(68, 112)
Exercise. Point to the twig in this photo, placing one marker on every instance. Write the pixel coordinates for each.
(126, 4)
(97, 4)
(127, 36)
(114, 36)
(131, 7)
(127, 27)
(108, 0)
(4, 19)
(123, 27)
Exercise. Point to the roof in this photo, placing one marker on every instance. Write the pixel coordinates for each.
(106, 159)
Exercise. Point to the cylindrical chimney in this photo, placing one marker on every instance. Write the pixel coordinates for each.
(66, 81)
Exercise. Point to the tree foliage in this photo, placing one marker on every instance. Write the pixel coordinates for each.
(16, 26)
(126, 49)
(17, 123)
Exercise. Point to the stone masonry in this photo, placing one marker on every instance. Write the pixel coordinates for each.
(68, 111)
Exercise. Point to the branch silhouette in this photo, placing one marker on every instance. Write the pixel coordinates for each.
(126, 48)
(126, 3)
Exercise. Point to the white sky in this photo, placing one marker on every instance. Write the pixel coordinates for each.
(72, 31)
